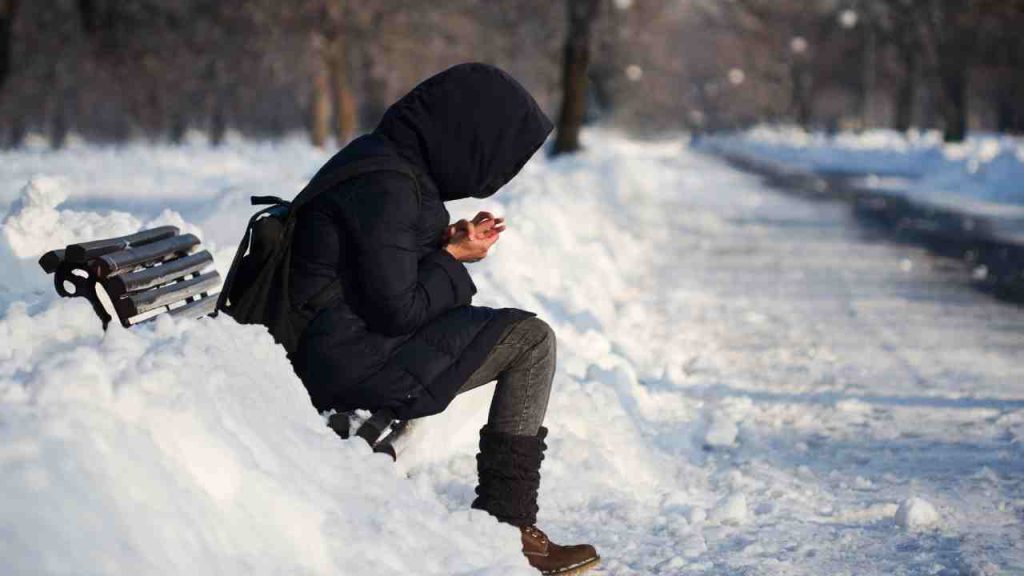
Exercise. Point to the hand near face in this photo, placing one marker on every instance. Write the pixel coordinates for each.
(470, 240)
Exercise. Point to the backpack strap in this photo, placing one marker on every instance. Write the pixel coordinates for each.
(324, 181)
(321, 182)
(323, 298)
(243, 247)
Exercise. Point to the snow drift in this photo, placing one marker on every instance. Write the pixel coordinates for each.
(729, 399)
(190, 447)
(983, 173)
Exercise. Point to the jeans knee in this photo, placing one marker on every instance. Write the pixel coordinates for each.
(541, 335)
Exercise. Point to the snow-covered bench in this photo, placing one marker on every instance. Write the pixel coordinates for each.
(161, 271)
(137, 277)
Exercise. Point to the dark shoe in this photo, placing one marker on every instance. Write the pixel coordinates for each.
(550, 558)
(381, 430)
(509, 470)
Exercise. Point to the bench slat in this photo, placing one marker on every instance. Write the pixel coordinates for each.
(197, 309)
(140, 302)
(157, 275)
(115, 262)
(51, 260)
(80, 253)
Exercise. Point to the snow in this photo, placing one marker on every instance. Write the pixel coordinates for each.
(746, 385)
(722, 432)
(917, 514)
(982, 175)
(731, 510)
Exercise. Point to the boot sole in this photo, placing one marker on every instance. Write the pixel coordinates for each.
(585, 566)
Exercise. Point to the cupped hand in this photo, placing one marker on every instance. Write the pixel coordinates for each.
(470, 241)
(488, 223)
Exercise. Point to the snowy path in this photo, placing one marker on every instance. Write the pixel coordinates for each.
(748, 385)
(859, 374)
(854, 373)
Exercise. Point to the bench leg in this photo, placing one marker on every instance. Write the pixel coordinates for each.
(83, 285)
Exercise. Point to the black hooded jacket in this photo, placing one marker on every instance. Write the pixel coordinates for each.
(404, 334)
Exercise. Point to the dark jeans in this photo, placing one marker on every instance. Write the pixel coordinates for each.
(523, 363)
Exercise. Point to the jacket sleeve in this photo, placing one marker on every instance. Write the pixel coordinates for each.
(401, 292)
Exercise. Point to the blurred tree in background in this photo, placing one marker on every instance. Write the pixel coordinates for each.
(575, 67)
(111, 70)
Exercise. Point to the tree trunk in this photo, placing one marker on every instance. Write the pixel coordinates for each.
(320, 107)
(801, 95)
(373, 95)
(178, 127)
(7, 10)
(88, 16)
(954, 102)
(218, 121)
(1008, 108)
(16, 133)
(869, 75)
(218, 113)
(344, 104)
(574, 75)
(906, 93)
(60, 102)
(59, 128)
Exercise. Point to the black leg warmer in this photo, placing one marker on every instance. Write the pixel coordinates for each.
(509, 469)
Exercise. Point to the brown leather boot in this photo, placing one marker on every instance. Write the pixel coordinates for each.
(550, 558)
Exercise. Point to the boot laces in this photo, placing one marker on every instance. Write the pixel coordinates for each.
(537, 533)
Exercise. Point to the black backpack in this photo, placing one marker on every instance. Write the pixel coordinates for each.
(257, 287)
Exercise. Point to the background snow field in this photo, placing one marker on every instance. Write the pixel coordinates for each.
(747, 385)
(983, 174)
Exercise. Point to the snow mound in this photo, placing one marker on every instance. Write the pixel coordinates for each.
(917, 514)
(191, 447)
(722, 431)
(35, 223)
(167, 449)
(732, 509)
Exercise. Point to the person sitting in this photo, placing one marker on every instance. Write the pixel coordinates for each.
(403, 336)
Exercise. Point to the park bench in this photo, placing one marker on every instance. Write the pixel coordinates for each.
(161, 271)
(140, 276)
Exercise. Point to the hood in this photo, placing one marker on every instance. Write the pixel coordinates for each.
(471, 128)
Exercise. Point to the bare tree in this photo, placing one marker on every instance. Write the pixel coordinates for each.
(576, 60)
(115, 69)
(949, 43)
(320, 108)
(8, 9)
(903, 33)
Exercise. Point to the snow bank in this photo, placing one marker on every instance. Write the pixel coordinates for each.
(35, 223)
(985, 170)
(693, 307)
(186, 448)
(191, 447)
